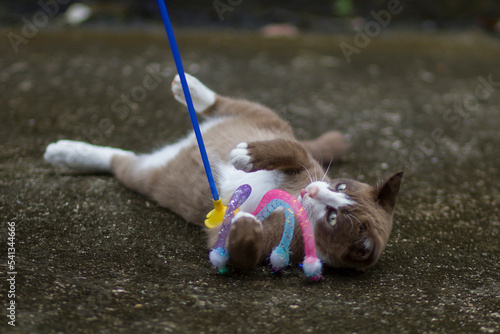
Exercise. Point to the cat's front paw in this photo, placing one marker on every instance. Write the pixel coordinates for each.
(244, 242)
(241, 159)
(202, 96)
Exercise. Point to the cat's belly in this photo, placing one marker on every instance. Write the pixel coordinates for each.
(261, 182)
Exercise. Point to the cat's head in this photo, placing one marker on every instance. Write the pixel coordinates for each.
(351, 220)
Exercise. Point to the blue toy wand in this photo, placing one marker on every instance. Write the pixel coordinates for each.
(216, 216)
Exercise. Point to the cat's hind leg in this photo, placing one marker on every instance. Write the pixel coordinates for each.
(245, 241)
(130, 171)
(82, 156)
(202, 96)
(210, 104)
(329, 148)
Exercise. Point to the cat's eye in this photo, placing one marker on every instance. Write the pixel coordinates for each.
(341, 187)
(332, 218)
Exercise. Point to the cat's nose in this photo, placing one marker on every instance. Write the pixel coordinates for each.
(311, 190)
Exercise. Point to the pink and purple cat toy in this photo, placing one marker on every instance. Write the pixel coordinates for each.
(280, 256)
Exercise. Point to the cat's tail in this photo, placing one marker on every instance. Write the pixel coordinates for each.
(82, 156)
(329, 148)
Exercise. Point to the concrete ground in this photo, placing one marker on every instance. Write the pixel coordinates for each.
(93, 257)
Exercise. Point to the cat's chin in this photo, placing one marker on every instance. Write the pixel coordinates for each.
(337, 264)
(326, 261)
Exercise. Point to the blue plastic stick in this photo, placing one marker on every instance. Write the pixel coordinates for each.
(185, 88)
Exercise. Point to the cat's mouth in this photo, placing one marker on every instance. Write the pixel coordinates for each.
(315, 210)
(317, 197)
(304, 196)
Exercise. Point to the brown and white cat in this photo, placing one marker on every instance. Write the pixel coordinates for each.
(248, 143)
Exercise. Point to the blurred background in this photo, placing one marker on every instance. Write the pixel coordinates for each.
(317, 15)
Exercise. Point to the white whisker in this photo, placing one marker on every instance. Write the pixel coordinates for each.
(327, 169)
(359, 172)
(309, 175)
(316, 174)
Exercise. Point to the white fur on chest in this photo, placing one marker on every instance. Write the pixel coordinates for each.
(166, 154)
(261, 182)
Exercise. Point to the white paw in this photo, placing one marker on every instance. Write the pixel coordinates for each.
(75, 154)
(240, 158)
(66, 153)
(241, 214)
(202, 96)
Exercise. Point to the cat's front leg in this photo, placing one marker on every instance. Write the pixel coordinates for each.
(245, 241)
(279, 154)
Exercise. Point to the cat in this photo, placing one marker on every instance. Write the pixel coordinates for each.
(248, 143)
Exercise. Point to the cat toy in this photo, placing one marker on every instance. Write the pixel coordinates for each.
(280, 256)
(216, 216)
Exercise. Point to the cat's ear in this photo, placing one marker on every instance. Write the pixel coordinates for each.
(387, 193)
